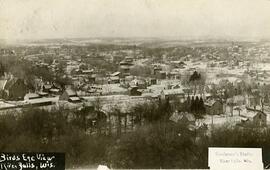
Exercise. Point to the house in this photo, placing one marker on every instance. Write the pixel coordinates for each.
(174, 75)
(161, 75)
(55, 89)
(178, 64)
(170, 93)
(124, 67)
(254, 118)
(46, 88)
(141, 84)
(214, 107)
(113, 80)
(260, 119)
(69, 95)
(15, 89)
(153, 81)
(156, 70)
(125, 70)
(93, 90)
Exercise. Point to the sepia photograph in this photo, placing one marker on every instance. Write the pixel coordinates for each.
(134, 84)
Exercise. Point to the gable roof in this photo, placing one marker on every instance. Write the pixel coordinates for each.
(74, 99)
(115, 74)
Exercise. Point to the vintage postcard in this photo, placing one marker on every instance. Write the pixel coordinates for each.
(134, 84)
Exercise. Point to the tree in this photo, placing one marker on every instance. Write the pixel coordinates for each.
(201, 106)
(81, 117)
(141, 70)
(2, 69)
(3, 94)
(192, 105)
(155, 146)
(197, 107)
(195, 76)
(196, 79)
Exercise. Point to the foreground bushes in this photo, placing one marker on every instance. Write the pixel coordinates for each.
(156, 144)
(36, 130)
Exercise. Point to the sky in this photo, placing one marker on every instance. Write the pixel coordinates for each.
(38, 19)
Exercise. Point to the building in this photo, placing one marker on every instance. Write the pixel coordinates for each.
(161, 75)
(140, 83)
(124, 67)
(214, 107)
(172, 93)
(178, 64)
(260, 119)
(152, 81)
(156, 70)
(113, 80)
(46, 87)
(254, 117)
(69, 95)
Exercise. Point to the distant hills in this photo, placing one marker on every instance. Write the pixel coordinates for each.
(141, 42)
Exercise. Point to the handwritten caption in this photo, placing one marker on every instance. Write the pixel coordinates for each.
(32, 161)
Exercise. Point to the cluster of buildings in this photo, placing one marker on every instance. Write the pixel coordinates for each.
(234, 86)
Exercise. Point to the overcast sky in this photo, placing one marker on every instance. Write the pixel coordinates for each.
(28, 19)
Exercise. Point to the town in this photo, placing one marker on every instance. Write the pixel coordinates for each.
(229, 79)
(114, 87)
